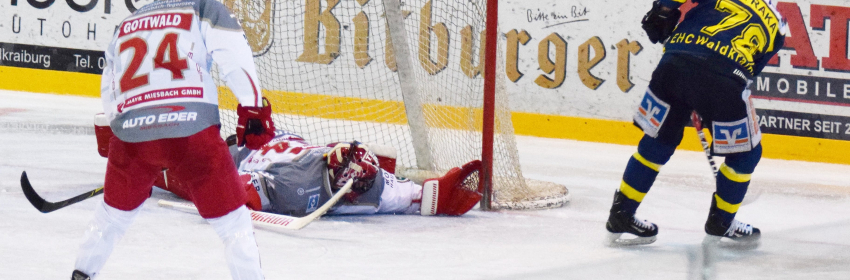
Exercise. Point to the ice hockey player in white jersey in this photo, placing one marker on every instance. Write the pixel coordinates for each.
(292, 177)
(162, 104)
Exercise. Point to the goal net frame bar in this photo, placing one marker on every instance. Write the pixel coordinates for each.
(412, 99)
(490, 52)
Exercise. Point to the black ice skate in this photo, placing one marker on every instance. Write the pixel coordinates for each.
(79, 275)
(733, 234)
(620, 222)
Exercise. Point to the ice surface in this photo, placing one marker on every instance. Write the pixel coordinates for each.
(803, 212)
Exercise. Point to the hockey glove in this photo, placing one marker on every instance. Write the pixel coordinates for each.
(352, 160)
(453, 194)
(660, 22)
(103, 133)
(255, 127)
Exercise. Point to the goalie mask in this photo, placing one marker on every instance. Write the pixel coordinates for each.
(352, 161)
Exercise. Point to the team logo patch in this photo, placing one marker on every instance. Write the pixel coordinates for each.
(731, 137)
(312, 203)
(651, 113)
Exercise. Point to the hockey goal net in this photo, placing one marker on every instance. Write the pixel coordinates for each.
(332, 73)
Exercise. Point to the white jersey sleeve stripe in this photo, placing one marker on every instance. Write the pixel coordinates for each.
(254, 87)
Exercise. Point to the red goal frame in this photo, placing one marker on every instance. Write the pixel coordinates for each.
(492, 33)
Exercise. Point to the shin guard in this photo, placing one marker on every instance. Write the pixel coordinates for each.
(107, 228)
(641, 171)
(237, 233)
(733, 181)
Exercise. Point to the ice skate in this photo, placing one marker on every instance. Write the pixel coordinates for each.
(734, 234)
(620, 222)
(79, 275)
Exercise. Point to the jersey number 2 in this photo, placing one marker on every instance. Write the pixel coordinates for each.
(166, 58)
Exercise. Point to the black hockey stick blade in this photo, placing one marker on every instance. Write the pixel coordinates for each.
(44, 206)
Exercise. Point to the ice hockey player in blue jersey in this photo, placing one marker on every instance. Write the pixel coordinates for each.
(710, 58)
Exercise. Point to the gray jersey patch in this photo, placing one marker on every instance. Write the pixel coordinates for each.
(174, 120)
(300, 187)
(297, 188)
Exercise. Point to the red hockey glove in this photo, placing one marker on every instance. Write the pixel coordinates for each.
(453, 194)
(255, 127)
(352, 160)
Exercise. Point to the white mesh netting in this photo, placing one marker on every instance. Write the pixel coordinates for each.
(329, 69)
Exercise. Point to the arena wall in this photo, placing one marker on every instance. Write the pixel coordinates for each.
(576, 69)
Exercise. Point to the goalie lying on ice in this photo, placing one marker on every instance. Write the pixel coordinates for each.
(292, 177)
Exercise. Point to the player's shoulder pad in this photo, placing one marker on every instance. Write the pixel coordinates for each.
(165, 4)
(217, 15)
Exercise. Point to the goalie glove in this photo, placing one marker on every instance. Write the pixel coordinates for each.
(255, 127)
(453, 194)
(660, 22)
(352, 161)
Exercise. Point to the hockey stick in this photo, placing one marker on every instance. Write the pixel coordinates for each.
(695, 119)
(697, 122)
(275, 221)
(45, 206)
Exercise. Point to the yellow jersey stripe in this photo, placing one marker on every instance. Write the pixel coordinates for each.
(726, 206)
(631, 193)
(651, 165)
(733, 175)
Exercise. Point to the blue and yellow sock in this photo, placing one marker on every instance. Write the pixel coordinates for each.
(642, 169)
(733, 181)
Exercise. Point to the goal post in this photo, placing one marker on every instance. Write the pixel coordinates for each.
(489, 106)
(407, 74)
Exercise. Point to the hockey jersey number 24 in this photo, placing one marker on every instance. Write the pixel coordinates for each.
(157, 81)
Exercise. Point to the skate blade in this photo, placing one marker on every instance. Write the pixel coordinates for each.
(615, 240)
(728, 243)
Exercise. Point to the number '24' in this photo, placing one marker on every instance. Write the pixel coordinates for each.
(166, 58)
